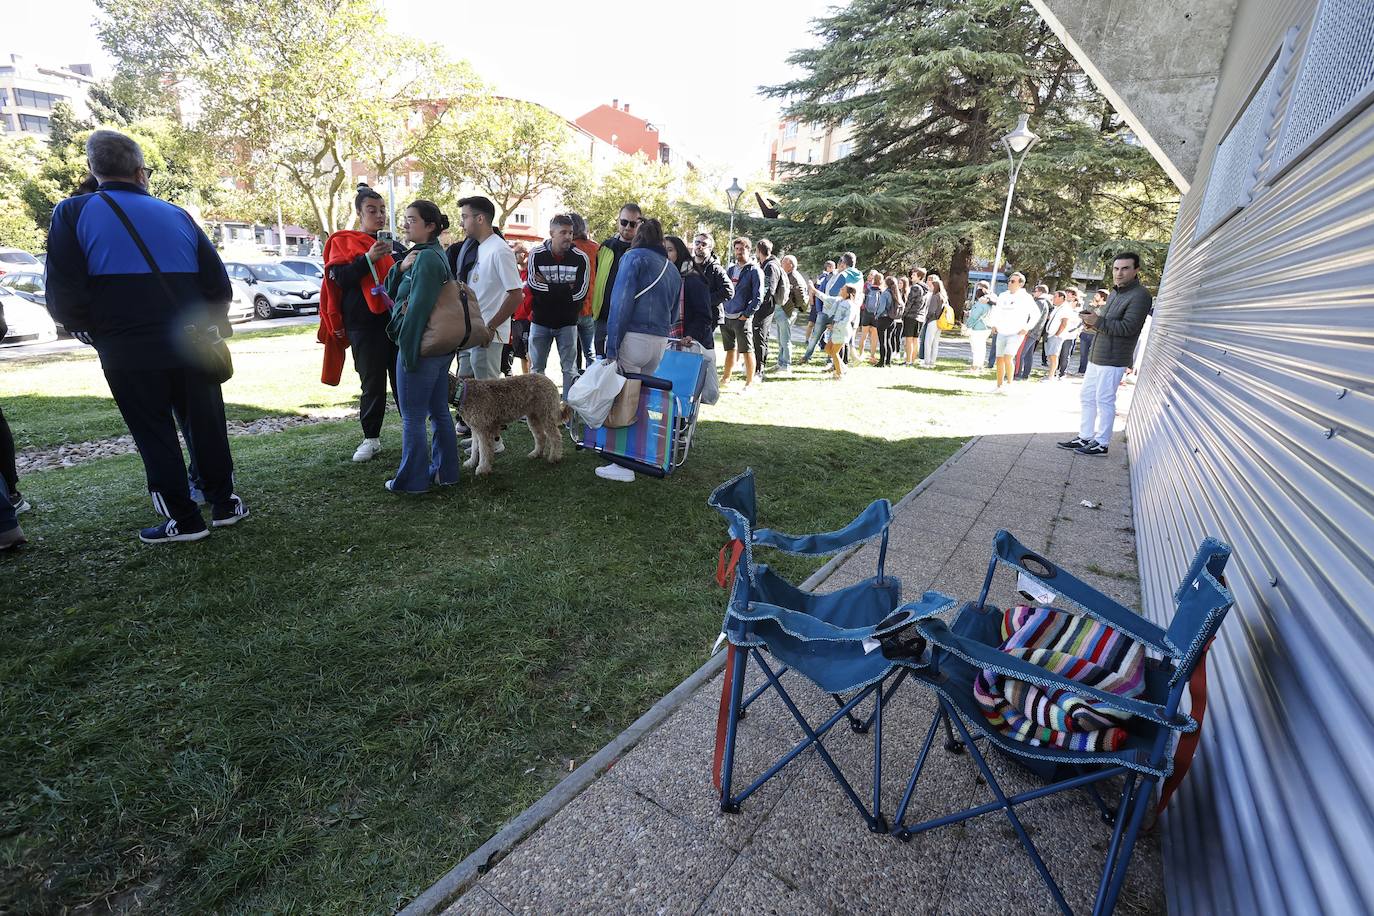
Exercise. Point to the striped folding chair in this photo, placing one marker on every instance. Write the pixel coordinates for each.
(1078, 695)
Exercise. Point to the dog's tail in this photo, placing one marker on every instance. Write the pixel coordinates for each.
(565, 413)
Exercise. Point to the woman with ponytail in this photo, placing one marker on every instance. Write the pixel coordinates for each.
(421, 381)
(352, 313)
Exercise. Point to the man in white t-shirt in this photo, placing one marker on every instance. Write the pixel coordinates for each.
(1059, 327)
(1014, 314)
(495, 280)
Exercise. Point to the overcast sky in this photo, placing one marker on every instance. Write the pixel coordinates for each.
(694, 74)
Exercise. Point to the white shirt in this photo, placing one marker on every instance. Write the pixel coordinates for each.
(494, 275)
(1066, 313)
(1014, 313)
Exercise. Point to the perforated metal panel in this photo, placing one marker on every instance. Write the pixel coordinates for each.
(1236, 165)
(1336, 78)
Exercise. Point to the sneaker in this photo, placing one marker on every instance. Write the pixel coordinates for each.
(171, 531)
(369, 449)
(228, 513)
(1093, 449)
(21, 505)
(12, 538)
(615, 472)
(462, 430)
(1074, 444)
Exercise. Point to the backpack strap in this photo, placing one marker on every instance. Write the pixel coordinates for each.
(656, 279)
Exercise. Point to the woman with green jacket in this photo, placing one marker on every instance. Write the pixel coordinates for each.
(421, 381)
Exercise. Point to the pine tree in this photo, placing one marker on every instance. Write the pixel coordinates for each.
(929, 87)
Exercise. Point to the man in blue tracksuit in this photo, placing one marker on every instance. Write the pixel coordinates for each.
(101, 286)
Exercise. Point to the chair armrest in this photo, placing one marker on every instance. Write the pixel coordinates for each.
(871, 523)
(799, 624)
(988, 658)
(1079, 593)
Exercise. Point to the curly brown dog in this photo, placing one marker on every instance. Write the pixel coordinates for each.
(488, 405)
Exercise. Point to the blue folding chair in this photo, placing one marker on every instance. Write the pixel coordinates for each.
(960, 653)
(846, 641)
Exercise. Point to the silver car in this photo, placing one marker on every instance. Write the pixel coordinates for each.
(276, 289)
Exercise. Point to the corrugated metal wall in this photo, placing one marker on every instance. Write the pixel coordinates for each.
(1254, 421)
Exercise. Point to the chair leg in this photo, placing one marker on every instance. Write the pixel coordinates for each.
(902, 832)
(1117, 867)
(1108, 815)
(879, 823)
(952, 744)
(1008, 809)
(760, 690)
(737, 668)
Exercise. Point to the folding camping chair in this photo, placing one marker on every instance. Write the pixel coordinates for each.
(820, 636)
(972, 647)
(661, 436)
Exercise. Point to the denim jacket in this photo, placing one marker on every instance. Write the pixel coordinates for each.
(646, 273)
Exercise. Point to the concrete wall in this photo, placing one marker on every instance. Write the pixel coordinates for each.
(1158, 63)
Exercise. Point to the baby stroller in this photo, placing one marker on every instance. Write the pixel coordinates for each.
(659, 439)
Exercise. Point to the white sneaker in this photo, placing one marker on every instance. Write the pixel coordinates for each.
(370, 449)
(615, 472)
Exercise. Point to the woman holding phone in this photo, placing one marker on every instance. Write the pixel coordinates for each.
(356, 262)
(421, 381)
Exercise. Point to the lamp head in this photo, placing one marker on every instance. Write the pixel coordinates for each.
(1020, 139)
(733, 192)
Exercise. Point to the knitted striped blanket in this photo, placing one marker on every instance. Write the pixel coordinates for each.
(1073, 646)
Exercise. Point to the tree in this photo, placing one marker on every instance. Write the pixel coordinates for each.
(929, 86)
(676, 198)
(305, 89)
(510, 150)
(21, 163)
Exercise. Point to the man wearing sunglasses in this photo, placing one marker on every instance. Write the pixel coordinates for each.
(708, 267)
(607, 264)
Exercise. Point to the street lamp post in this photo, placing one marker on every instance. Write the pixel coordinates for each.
(732, 194)
(1018, 142)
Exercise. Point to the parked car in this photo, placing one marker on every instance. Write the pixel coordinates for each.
(27, 322)
(241, 306)
(29, 285)
(310, 268)
(276, 289)
(15, 259)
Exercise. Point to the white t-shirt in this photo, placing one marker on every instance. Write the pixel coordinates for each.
(1066, 313)
(494, 275)
(1014, 313)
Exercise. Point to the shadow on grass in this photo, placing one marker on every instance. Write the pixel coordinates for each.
(939, 392)
(351, 677)
(45, 421)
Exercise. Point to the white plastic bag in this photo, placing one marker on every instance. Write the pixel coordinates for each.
(592, 395)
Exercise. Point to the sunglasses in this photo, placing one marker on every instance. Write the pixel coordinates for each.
(630, 222)
(148, 172)
(702, 243)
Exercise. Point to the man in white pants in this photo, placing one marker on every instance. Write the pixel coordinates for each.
(1118, 327)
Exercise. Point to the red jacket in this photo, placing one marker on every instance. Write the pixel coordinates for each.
(343, 247)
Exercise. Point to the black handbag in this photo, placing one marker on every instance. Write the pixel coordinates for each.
(203, 343)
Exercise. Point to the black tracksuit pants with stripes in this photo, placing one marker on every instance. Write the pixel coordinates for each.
(147, 399)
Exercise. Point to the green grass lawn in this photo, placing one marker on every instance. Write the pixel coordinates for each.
(324, 708)
(64, 398)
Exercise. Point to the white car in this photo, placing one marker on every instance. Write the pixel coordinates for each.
(310, 268)
(28, 322)
(15, 259)
(276, 289)
(241, 306)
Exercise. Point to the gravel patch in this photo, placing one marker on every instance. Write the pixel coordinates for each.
(70, 455)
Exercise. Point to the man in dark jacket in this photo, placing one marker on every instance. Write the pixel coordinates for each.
(792, 311)
(558, 278)
(774, 294)
(1025, 357)
(706, 266)
(1117, 327)
(736, 334)
(608, 267)
(145, 321)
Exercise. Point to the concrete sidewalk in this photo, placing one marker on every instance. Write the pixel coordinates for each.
(648, 835)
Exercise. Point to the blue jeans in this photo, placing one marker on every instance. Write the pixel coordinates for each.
(541, 342)
(423, 394)
(586, 334)
(784, 326)
(823, 321)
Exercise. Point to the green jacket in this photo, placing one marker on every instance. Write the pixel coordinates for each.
(415, 291)
(607, 266)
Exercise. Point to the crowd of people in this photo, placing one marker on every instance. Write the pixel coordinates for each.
(122, 266)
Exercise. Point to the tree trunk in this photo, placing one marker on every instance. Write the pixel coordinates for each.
(956, 281)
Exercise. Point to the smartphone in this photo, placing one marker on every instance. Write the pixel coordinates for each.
(384, 235)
